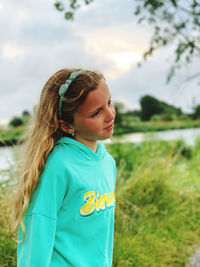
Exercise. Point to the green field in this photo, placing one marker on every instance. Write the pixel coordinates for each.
(153, 126)
(157, 210)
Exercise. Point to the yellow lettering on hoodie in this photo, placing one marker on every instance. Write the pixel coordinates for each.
(89, 207)
(100, 202)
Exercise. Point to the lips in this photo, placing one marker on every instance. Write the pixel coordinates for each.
(109, 127)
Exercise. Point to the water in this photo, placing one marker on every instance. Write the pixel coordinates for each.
(188, 135)
(8, 157)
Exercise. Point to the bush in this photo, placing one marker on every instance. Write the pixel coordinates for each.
(16, 121)
(155, 117)
(196, 113)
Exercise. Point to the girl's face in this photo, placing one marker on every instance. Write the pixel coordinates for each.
(95, 117)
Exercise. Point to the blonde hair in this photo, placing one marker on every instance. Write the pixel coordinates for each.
(43, 132)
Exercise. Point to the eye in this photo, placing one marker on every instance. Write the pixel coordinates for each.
(110, 101)
(95, 114)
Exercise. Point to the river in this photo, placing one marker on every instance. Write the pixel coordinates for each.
(188, 135)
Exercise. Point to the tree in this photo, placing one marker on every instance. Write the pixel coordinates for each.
(119, 108)
(26, 113)
(16, 121)
(196, 113)
(151, 106)
(173, 21)
(26, 117)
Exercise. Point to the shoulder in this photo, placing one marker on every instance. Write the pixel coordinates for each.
(58, 157)
(57, 162)
(109, 159)
(109, 156)
(56, 169)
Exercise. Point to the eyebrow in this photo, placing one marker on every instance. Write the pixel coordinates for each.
(99, 108)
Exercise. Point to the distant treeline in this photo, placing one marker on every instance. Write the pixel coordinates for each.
(151, 109)
(17, 121)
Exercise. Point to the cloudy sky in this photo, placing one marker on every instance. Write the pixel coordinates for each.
(36, 41)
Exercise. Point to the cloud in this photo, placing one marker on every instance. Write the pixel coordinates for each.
(128, 105)
(38, 41)
(124, 60)
(117, 47)
(4, 122)
(10, 50)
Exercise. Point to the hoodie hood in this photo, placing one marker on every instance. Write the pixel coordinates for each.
(85, 150)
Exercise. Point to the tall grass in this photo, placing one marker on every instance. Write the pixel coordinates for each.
(158, 205)
(7, 246)
(158, 196)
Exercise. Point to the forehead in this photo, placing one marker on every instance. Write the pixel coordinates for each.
(95, 99)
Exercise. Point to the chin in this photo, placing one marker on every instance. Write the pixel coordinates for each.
(107, 135)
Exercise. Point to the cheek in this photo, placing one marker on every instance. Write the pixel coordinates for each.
(95, 124)
(91, 124)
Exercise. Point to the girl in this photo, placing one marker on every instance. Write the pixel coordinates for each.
(65, 201)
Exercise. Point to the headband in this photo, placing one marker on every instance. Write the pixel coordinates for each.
(65, 86)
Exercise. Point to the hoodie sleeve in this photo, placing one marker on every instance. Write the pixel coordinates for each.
(41, 217)
(36, 250)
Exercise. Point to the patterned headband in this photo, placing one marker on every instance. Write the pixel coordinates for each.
(64, 87)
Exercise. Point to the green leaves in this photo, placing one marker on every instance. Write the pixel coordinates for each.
(174, 3)
(73, 5)
(180, 26)
(182, 47)
(153, 4)
(174, 22)
(59, 6)
(88, 2)
(69, 15)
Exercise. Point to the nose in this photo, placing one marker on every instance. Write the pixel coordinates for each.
(110, 115)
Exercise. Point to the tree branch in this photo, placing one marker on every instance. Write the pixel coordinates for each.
(192, 77)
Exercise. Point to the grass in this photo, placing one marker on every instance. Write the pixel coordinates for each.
(7, 246)
(150, 126)
(11, 136)
(158, 205)
(158, 196)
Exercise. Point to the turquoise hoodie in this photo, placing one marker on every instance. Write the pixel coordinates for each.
(70, 218)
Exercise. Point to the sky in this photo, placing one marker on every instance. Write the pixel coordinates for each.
(36, 41)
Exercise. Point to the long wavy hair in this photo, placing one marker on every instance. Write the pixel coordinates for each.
(43, 132)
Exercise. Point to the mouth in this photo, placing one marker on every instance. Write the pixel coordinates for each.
(110, 127)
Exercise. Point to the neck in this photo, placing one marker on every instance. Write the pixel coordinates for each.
(92, 144)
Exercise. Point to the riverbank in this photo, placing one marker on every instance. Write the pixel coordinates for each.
(157, 209)
(11, 137)
(150, 126)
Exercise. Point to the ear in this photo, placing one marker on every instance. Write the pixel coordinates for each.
(66, 127)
